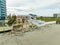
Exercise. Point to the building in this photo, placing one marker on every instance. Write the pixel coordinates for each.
(56, 15)
(2, 9)
(33, 16)
(22, 18)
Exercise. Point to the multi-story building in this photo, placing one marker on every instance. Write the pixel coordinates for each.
(2, 9)
(56, 15)
(22, 18)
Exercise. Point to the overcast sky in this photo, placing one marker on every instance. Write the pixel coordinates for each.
(39, 7)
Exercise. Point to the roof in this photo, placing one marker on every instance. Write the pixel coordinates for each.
(22, 15)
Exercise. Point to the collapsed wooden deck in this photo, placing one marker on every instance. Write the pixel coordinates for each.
(5, 29)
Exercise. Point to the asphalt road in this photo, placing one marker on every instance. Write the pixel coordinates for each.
(44, 36)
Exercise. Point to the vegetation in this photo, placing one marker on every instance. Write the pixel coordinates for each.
(11, 19)
(2, 25)
(48, 19)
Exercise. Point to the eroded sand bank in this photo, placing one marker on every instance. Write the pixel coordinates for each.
(44, 36)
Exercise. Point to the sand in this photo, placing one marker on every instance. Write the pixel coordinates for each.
(44, 36)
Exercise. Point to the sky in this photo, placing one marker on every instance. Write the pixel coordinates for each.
(38, 7)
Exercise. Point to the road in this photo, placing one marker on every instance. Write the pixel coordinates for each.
(44, 36)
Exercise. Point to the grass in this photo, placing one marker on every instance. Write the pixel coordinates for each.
(48, 19)
(2, 25)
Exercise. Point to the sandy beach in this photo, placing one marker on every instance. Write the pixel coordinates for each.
(44, 36)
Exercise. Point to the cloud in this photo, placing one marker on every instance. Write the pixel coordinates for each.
(39, 7)
(19, 3)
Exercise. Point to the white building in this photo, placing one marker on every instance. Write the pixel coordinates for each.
(56, 15)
